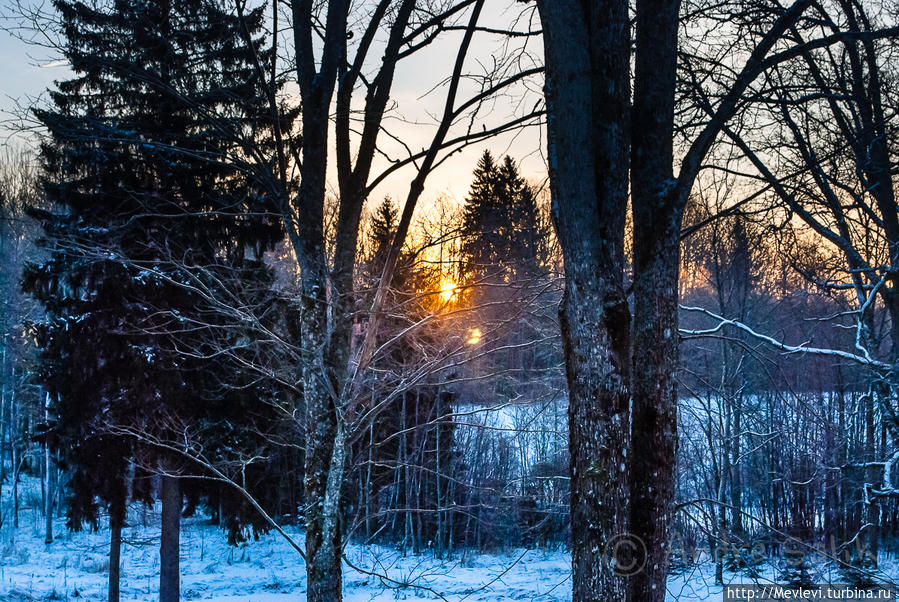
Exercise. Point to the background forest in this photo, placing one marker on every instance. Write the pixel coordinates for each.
(212, 314)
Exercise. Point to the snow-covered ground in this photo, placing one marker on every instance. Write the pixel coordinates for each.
(267, 570)
(74, 567)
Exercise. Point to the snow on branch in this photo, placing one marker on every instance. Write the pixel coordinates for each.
(865, 359)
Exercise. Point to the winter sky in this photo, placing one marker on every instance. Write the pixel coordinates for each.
(29, 70)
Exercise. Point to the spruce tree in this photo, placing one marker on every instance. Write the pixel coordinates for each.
(384, 220)
(502, 236)
(502, 260)
(523, 234)
(149, 164)
(383, 226)
(480, 220)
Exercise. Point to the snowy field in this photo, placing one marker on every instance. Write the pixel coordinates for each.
(268, 570)
(74, 567)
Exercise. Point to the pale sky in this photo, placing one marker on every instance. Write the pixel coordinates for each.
(29, 70)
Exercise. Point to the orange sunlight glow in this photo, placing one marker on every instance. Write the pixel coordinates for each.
(448, 289)
(474, 336)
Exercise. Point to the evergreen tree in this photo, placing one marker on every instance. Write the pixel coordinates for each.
(502, 262)
(481, 241)
(502, 236)
(523, 234)
(146, 164)
(383, 227)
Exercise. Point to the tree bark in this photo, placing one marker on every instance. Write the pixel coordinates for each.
(870, 540)
(324, 545)
(736, 487)
(115, 554)
(654, 424)
(587, 50)
(831, 483)
(657, 211)
(322, 364)
(14, 452)
(51, 496)
(50, 471)
(169, 546)
(328, 305)
(4, 423)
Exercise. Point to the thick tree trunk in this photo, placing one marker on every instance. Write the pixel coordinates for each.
(587, 49)
(325, 450)
(325, 441)
(169, 546)
(657, 211)
(115, 554)
(596, 343)
(323, 364)
(325, 460)
(324, 544)
(654, 425)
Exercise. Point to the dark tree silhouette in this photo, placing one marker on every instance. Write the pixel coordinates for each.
(151, 205)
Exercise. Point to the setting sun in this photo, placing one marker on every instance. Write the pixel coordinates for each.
(448, 289)
(474, 336)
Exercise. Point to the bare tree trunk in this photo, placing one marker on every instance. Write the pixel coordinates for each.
(842, 455)
(440, 514)
(4, 424)
(736, 488)
(324, 466)
(14, 452)
(450, 525)
(169, 546)
(587, 49)
(325, 461)
(322, 369)
(323, 552)
(41, 463)
(368, 485)
(51, 497)
(723, 543)
(872, 507)
(831, 483)
(328, 305)
(50, 471)
(407, 479)
(657, 216)
(115, 553)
